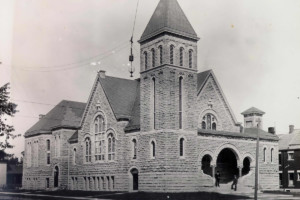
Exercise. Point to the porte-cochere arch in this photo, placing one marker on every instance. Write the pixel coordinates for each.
(227, 162)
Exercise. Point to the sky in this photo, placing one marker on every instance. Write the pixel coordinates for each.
(52, 49)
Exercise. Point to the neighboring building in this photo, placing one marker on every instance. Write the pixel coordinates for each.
(168, 131)
(3, 175)
(14, 176)
(289, 159)
(10, 175)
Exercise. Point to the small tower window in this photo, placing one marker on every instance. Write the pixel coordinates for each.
(190, 58)
(209, 122)
(181, 55)
(153, 58)
(160, 55)
(146, 60)
(181, 147)
(74, 156)
(180, 103)
(172, 54)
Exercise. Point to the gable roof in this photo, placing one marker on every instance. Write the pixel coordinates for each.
(121, 94)
(169, 17)
(59, 117)
(290, 141)
(201, 78)
(253, 110)
(250, 133)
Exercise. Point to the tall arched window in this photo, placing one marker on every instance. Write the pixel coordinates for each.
(181, 147)
(154, 108)
(28, 155)
(99, 125)
(209, 122)
(160, 55)
(172, 54)
(152, 149)
(181, 51)
(272, 150)
(88, 150)
(134, 149)
(265, 151)
(146, 60)
(180, 103)
(74, 156)
(190, 58)
(48, 152)
(111, 146)
(153, 57)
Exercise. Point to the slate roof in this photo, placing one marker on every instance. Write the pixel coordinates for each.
(250, 133)
(169, 17)
(290, 141)
(121, 94)
(201, 78)
(253, 110)
(73, 138)
(67, 114)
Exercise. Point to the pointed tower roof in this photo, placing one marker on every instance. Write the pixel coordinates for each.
(169, 17)
(253, 110)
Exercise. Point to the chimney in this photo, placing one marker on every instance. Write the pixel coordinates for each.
(102, 73)
(41, 116)
(291, 128)
(272, 130)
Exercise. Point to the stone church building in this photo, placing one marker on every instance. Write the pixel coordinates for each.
(170, 130)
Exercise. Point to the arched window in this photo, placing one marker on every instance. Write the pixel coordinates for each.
(160, 55)
(28, 155)
(181, 147)
(146, 60)
(180, 103)
(190, 58)
(209, 122)
(152, 149)
(74, 156)
(265, 150)
(154, 108)
(181, 51)
(172, 54)
(153, 57)
(272, 150)
(134, 149)
(99, 125)
(111, 146)
(88, 150)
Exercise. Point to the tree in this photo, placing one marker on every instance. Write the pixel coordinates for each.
(7, 109)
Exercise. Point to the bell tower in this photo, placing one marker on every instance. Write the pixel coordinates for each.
(168, 70)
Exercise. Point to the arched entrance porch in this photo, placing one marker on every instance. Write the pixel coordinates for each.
(227, 165)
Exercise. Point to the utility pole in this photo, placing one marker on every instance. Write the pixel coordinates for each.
(256, 165)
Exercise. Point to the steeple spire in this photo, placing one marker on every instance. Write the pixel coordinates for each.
(169, 17)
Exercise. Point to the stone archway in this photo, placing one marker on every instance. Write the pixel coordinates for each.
(206, 165)
(227, 165)
(246, 166)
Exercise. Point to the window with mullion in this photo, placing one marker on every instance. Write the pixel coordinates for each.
(99, 138)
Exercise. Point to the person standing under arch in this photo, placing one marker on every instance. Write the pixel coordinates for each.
(217, 177)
